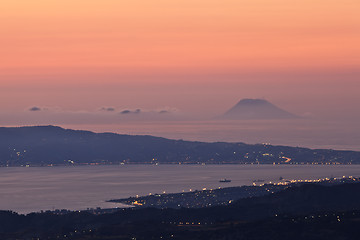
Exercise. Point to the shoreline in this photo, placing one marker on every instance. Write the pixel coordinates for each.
(217, 197)
(98, 184)
(174, 163)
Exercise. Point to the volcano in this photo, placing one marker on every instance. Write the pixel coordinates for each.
(256, 109)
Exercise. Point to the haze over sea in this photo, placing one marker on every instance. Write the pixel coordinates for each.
(311, 133)
(32, 189)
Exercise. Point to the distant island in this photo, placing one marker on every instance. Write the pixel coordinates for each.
(52, 145)
(257, 109)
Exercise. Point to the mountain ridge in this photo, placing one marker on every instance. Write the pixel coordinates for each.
(47, 145)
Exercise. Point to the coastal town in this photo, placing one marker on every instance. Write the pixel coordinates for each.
(223, 196)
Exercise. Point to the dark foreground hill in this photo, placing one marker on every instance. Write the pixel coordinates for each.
(305, 212)
(44, 145)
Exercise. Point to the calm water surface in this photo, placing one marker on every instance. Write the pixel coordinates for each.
(302, 132)
(33, 189)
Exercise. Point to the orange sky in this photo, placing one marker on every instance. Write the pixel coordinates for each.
(185, 35)
(71, 47)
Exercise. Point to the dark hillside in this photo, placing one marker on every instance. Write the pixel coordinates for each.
(45, 145)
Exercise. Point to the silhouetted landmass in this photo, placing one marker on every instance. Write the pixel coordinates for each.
(256, 109)
(220, 196)
(308, 211)
(45, 145)
(199, 199)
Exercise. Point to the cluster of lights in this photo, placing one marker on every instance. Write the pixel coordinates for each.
(288, 182)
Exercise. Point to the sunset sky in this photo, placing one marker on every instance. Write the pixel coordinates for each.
(193, 56)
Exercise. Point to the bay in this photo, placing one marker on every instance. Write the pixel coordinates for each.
(32, 189)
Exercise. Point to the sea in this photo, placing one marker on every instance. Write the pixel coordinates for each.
(33, 189)
(310, 133)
